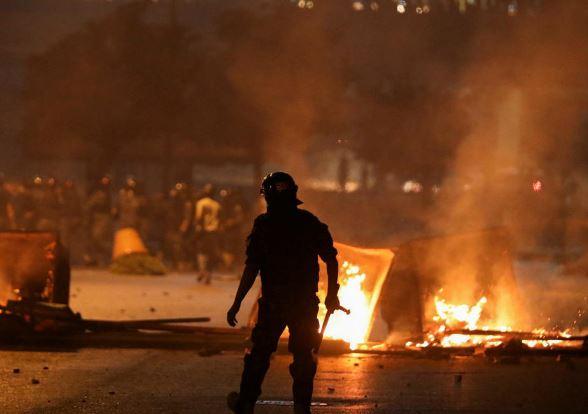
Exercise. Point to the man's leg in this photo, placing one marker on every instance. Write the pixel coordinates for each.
(304, 337)
(265, 337)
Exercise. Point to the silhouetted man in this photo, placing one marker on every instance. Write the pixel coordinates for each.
(284, 247)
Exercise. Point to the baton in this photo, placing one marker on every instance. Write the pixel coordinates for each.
(325, 323)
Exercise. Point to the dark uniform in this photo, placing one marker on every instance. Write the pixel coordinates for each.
(285, 245)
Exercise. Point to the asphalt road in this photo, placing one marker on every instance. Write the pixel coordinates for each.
(167, 381)
(160, 381)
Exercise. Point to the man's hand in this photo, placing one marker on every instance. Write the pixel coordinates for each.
(332, 302)
(232, 315)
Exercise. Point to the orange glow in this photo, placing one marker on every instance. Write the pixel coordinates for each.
(467, 317)
(352, 328)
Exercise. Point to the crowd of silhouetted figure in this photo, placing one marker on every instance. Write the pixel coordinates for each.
(187, 227)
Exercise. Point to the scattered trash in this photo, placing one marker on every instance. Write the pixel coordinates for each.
(35, 381)
(331, 390)
(152, 309)
(45, 368)
(16, 371)
(457, 379)
(111, 392)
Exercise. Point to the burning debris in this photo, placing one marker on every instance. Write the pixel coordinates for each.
(440, 320)
(457, 326)
(361, 276)
(352, 328)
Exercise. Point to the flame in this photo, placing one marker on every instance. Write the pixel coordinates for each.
(463, 316)
(352, 328)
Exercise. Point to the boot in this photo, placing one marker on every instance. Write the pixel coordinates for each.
(237, 406)
(301, 409)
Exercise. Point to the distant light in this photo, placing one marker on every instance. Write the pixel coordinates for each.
(412, 186)
(302, 4)
(358, 6)
(426, 9)
(401, 8)
(341, 141)
(309, 4)
(419, 10)
(374, 6)
(537, 186)
(512, 9)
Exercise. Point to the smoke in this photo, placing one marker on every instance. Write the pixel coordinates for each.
(525, 114)
(280, 63)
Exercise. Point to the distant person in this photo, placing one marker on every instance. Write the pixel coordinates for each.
(284, 247)
(154, 224)
(232, 222)
(24, 207)
(71, 218)
(99, 213)
(129, 205)
(179, 230)
(207, 226)
(49, 205)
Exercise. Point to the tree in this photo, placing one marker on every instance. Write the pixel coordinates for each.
(126, 88)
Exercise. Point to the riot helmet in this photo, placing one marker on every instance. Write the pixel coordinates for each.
(279, 188)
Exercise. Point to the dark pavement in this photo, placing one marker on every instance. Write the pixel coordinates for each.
(158, 381)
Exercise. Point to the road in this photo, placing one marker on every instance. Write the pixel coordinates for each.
(173, 381)
(164, 381)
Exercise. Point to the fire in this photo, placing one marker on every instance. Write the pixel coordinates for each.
(464, 317)
(352, 328)
(546, 343)
(449, 316)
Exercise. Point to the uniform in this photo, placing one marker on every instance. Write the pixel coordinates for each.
(285, 246)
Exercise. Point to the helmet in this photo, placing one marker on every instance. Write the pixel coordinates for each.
(130, 182)
(279, 186)
(208, 190)
(105, 181)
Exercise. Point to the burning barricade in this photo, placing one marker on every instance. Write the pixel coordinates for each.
(361, 275)
(460, 291)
